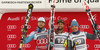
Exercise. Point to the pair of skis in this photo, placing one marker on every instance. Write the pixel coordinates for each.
(94, 25)
(24, 30)
(51, 28)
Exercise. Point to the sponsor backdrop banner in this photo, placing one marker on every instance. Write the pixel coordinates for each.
(12, 23)
(43, 4)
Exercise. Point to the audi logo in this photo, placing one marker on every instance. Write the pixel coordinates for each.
(87, 45)
(97, 46)
(11, 27)
(42, 41)
(29, 26)
(11, 45)
(26, 45)
(84, 26)
(11, 36)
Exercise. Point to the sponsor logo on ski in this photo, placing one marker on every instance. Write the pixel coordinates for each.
(28, 15)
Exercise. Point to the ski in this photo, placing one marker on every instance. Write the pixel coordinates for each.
(24, 29)
(69, 26)
(51, 28)
(94, 25)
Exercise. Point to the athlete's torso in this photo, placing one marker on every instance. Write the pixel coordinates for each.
(41, 40)
(59, 40)
(80, 39)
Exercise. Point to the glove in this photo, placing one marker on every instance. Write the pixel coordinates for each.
(75, 44)
(65, 44)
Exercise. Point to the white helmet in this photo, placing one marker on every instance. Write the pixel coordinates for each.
(41, 19)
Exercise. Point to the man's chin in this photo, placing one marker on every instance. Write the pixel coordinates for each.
(40, 27)
(59, 28)
(74, 31)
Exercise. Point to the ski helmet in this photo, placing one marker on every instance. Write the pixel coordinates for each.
(41, 19)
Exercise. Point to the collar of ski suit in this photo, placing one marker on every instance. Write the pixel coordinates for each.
(39, 30)
(75, 32)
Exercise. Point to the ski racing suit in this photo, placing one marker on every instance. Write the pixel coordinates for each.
(40, 37)
(80, 38)
(59, 40)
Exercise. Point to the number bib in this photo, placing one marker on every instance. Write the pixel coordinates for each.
(41, 40)
(59, 40)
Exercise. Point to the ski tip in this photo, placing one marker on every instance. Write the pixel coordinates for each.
(86, 7)
(31, 5)
(84, 3)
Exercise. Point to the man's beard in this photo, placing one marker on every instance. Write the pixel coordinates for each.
(40, 28)
(60, 28)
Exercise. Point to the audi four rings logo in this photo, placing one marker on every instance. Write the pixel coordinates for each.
(26, 45)
(85, 26)
(11, 36)
(29, 26)
(87, 45)
(42, 41)
(11, 45)
(97, 46)
(11, 27)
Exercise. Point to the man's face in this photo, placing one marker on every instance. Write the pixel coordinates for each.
(41, 24)
(60, 26)
(74, 28)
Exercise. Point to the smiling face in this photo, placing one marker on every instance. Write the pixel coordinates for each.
(74, 28)
(60, 26)
(41, 24)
